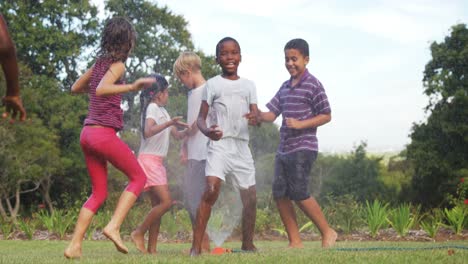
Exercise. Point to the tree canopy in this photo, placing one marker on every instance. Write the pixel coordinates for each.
(438, 148)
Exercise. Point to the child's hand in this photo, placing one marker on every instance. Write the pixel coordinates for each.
(293, 123)
(141, 83)
(179, 124)
(13, 106)
(214, 133)
(253, 119)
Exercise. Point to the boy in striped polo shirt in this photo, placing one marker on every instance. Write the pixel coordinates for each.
(304, 105)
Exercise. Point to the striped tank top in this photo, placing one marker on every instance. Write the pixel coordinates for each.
(103, 110)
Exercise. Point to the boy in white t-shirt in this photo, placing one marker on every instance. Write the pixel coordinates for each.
(187, 68)
(157, 126)
(229, 98)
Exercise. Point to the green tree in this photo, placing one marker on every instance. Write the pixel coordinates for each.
(357, 175)
(28, 154)
(438, 148)
(161, 38)
(51, 35)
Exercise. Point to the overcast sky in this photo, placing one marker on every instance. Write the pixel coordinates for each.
(369, 55)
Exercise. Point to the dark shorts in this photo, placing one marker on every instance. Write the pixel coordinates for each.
(292, 173)
(194, 186)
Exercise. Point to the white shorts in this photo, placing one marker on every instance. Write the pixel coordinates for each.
(231, 156)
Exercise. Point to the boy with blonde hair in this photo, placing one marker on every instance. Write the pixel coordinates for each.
(187, 68)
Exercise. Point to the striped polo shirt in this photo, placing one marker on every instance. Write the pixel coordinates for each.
(303, 101)
(103, 110)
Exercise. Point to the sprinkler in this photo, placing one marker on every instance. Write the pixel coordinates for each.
(220, 251)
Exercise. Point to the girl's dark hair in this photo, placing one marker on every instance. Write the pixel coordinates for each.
(225, 39)
(148, 93)
(118, 38)
(298, 44)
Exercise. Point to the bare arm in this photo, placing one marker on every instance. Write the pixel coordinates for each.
(315, 121)
(179, 124)
(82, 84)
(12, 100)
(108, 85)
(8, 59)
(254, 112)
(212, 132)
(266, 116)
(152, 128)
(193, 129)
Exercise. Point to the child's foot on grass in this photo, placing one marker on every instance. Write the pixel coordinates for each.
(206, 249)
(329, 238)
(114, 236)
(194, 253)
(249, 247)
(139, 241)
(295, 245)
(72, 252)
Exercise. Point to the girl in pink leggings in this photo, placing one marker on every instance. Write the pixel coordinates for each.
(99, 142)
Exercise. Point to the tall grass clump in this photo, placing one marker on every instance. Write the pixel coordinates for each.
(376, 216)
(401, 219)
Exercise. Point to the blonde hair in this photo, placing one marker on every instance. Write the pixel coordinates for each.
(187, 61)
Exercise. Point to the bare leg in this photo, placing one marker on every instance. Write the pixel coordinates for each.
(288, 216)
(206, 239)
(154, 229)
(160, 193)
(312, 209)
(84, 220)
(204, 211)
(205, 243)
(249, 213)
(112, 230)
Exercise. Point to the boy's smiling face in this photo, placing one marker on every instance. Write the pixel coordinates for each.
(229, 57)
(295, 62)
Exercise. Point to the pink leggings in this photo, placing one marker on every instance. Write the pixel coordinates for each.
(100, 145)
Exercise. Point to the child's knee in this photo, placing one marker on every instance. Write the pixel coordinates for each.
(166, 204)
(211, 194)
(137, 184)
(96, 200)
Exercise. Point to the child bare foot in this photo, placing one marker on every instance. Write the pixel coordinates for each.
(296, 245)
(329, 238)
(114, 236)
(194, 253)
(139, 241)
(72, 252)
(249, 247)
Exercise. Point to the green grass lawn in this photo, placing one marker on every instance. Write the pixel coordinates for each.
(269, 252)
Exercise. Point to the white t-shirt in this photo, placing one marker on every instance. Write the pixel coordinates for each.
(196, 144)
(229, 101)
(157, 144)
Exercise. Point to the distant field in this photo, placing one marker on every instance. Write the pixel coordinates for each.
(269, 252)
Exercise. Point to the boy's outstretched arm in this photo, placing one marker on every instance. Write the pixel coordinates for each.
(212, 132)
(315, 121)
(266, 116)
(179, 134)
